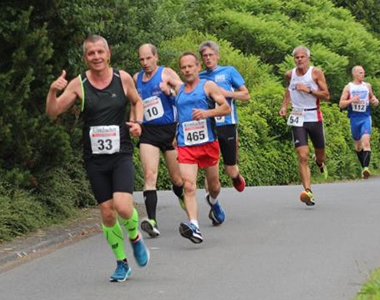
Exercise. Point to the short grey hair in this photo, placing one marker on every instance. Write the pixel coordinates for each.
(208, 44)
(303, 48)
(93, 39)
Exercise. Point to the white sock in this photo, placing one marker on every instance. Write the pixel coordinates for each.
(212, 200)
(195, 222)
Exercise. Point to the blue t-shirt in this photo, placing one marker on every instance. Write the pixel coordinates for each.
(229, 79)
(158, 107)
(191, 132)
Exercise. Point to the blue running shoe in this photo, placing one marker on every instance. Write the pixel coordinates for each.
(140, 251)
(122, 272)
(191, 232)
(216, 214)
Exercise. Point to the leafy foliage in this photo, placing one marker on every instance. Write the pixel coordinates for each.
(40, 160)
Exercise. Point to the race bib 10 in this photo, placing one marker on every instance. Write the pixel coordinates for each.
(153, 108)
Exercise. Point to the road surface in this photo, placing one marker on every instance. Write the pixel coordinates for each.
(271, 247)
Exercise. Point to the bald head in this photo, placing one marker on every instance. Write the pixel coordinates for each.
(358, 73)
(148, 47)
(357, 69)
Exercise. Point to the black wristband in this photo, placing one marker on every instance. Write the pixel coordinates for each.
(311, 92)
(138, 122)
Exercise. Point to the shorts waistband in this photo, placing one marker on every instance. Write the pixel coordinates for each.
(310, 109)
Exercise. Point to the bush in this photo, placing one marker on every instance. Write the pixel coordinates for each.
(20, 212)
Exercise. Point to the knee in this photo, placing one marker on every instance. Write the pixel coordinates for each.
(150, 176)
(303, 159)
(109, 216)
(189, 187)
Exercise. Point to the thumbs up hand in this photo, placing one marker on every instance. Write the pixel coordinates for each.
(60, 83)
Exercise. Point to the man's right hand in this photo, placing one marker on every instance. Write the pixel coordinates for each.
(60, 83)
(355, 99)
(282, 112)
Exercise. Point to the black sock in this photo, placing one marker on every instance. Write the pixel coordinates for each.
(150, 198)
(360, 156)
(178, 190)
(366, 158)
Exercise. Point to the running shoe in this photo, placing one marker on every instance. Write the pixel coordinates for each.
(307, 197)
(191, 232)
(140, 251)
(216, 214)
(366, 173)
(150, 227)
(321, 167)
(122, 272)
(239, 183)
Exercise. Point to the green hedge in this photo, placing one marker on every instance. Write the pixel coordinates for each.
(41, 175)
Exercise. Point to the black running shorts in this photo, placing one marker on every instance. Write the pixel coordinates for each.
(227, 137)
(160, 136)
(316, 132)
(109, 174)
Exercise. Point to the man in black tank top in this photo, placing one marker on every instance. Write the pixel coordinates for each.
(105, 94)
(306, 86)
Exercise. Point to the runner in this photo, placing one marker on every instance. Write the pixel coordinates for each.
(105, 94)
(232, 87)
(197, 142)
(306, 86)
(154, 85)
(357, 97)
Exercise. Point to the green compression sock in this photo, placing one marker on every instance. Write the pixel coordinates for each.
(115, 238)
(132, 225)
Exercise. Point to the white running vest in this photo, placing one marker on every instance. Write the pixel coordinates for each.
(361, 108)
(302, 100)
(361, 90)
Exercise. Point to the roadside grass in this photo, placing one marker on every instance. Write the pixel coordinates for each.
(371, 289)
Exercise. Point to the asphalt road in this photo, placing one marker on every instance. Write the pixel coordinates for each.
(271, 247)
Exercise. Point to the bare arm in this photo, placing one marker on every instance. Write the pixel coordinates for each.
(286, 99)
(345, 99)
(58, 105)
(136, 104)
(372, 98)
(131, 113)
(323, 92)
(170, 81)
(240, 94)
(222, 109)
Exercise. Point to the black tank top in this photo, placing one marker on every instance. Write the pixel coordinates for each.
(105, 107)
